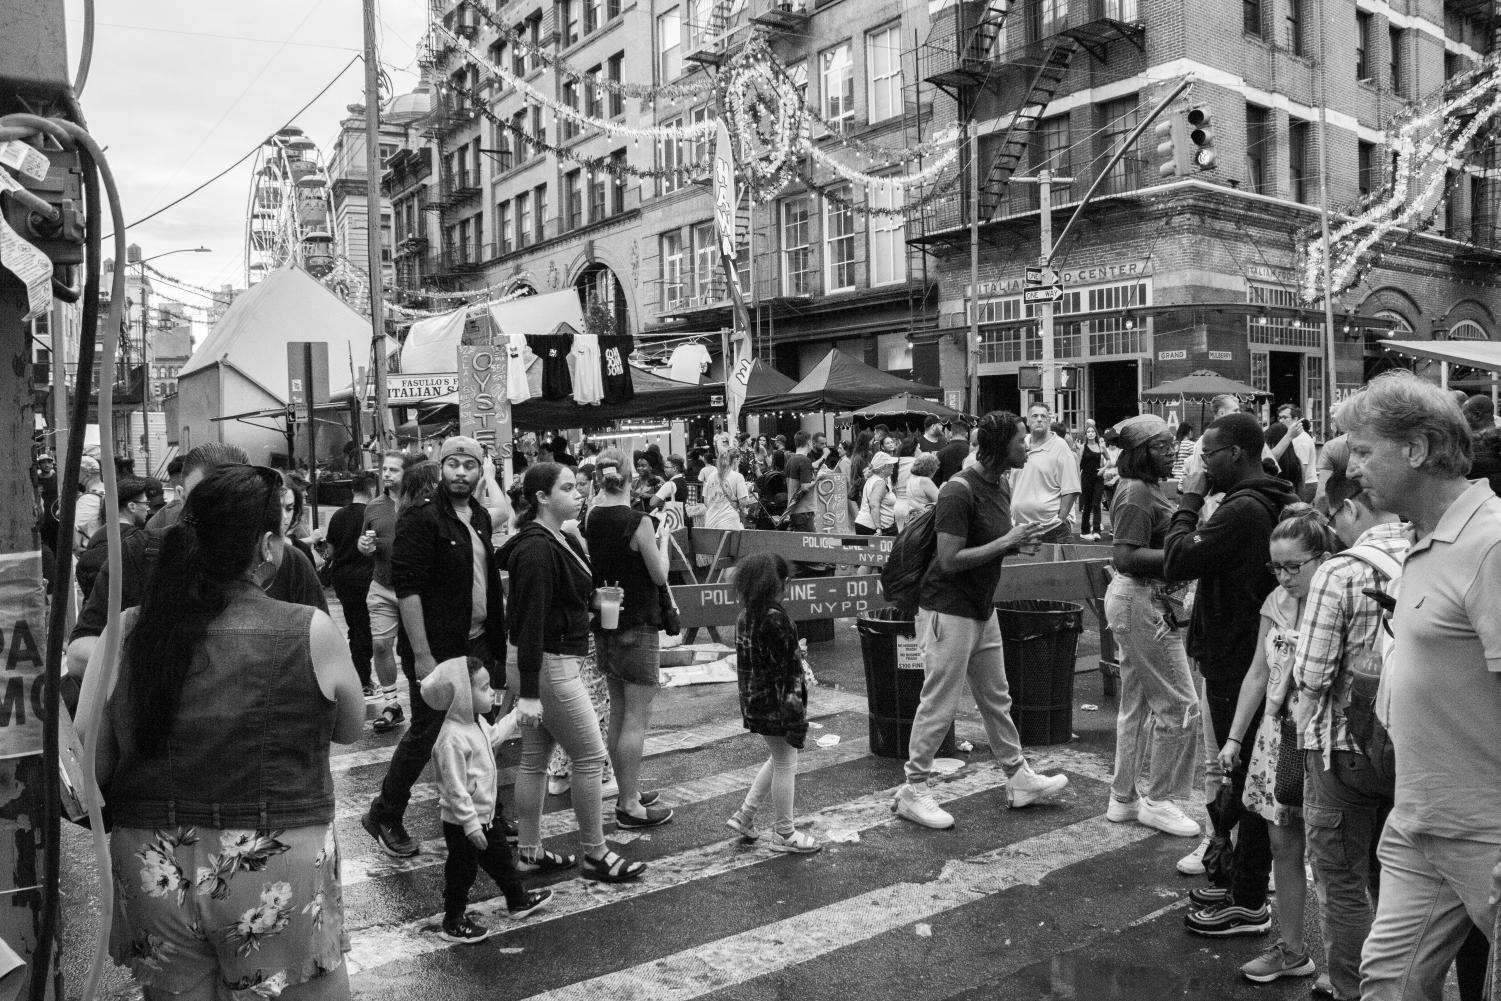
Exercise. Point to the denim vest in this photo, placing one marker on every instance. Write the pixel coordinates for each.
(249, 746)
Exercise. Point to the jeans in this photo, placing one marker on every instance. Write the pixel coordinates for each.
(954, 649)
(1157, 696)
(1344, 808)
(568, 719)
(1089, 505)
(465, 860)
(1253, 847)
(357, 620)
(1432, 888)
(776, 778)
(416, 747)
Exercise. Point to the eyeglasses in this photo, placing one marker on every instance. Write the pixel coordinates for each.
(1291, 569)
(1210, 451)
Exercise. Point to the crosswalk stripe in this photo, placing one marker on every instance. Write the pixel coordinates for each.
(793, 941)
(377, 945)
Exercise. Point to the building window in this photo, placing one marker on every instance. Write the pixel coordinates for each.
(696, 29)
(888, 237)
(596, 195)
(1453, 210)
(706, 262)
(612, 9)
(534, 38)
(798, 73)
(1482, 212)
(536, 112)
(518, 52)
(523, 220)
(1362, 45)
(838, 242)
(573, 199)
(797, 246)
(570, 127)
(698, 152)
(883, 67)
(503, 226)
(1052, 144)
(1299, 135)
(672, 158)
(1258, 146)
(539, 200)
(673, 288)
(1118, 121)
(670, 44)
(1395, 38)
(1251, 17)
(1365, 157)
(617, 99)
(617, 182)
(837, 78)
(1295, 28)
(568, 17)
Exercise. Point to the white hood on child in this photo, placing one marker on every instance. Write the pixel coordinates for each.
(449, 688)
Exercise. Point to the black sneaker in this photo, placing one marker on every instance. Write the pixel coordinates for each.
(463, 931)
(655, 815)
(513, 836)
(392, 838)
(1204, 896)
(390, 718)
(1228, 918)
(535, 901)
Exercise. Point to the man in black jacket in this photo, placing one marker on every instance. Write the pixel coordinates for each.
(1227, 555)
(351, 573)
(448, 586)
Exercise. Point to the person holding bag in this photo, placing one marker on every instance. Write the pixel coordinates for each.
(877, 500)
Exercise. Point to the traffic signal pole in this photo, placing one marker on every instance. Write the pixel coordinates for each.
(1045, 181)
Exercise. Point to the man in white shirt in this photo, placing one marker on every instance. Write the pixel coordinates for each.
(1303, 448)
(1045, 490)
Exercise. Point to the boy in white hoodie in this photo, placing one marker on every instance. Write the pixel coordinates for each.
(465, 758)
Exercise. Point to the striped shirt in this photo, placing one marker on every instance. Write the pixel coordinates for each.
(1339, 626)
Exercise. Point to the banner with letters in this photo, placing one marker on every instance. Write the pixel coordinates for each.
(484, 410)
(23, 634)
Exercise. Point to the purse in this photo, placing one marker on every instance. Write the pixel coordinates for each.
(1288, 788)
(672, 620)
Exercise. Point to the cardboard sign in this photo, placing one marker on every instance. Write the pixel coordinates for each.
(831, 506)
(484, 410)
(23, 632)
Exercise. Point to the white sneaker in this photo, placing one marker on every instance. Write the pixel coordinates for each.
(1026, 786)
(1192, 864)
(1165, 816)
(916, 803)
(557, 785)
(1118, 812)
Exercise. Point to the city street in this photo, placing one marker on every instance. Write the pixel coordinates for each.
(1048, 902)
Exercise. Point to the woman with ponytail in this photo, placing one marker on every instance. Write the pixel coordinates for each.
(214, 744)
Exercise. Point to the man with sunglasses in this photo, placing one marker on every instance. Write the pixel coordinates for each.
(1227, 555)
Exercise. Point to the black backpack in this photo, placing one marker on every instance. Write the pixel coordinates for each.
(911, 556)
(1361, 716)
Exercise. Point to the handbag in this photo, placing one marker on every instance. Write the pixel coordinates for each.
(672, 619)
(1288, 788)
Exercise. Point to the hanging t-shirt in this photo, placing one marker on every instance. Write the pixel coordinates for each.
(688, 363)
(583, 362)
(615, 359)
(553, 350)
(517, 391)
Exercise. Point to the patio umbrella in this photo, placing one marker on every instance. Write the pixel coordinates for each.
(1200, 387)
(905, 405)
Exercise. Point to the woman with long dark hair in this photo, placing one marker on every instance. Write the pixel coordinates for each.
(214, 745)
(1091, 459)
(552, 595)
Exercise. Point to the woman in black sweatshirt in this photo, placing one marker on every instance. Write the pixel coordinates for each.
(551, 595)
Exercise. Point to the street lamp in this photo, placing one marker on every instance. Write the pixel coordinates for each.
(140, 264)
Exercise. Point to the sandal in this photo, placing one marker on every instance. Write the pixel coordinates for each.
(743, 826)
(612, 868)
(798, 843)
(546, 862)
(390, 717)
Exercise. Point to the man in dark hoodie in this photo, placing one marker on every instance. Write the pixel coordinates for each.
(448, 588)
(1227, 555)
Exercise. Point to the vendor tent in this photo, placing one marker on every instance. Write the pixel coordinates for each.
(1201, 386)
(905, 405)
(764, 381)
(431, 345)
(1473, 354)
(840, 382)
(656, 399)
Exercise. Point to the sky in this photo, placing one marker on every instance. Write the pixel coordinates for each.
(180, 89)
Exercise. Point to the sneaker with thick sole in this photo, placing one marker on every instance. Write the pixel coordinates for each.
(1204, 896)
(655, 816)
(370, 692)
(535, 901)
(1027, 787)
(1118, 813)
(464, 932)
(389, 719)
(393, 839)
(1228, 918)
(1192, 864)
(1166, 816)
(557, 785)
(916, 803)
(1279, 961)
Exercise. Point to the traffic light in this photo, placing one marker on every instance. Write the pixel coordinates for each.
(1172, 146)
(1201, 136)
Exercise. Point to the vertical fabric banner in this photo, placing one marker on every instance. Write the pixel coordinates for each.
(737, 359)
(484, 409)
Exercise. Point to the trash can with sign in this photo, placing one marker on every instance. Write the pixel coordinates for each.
(1040, 639)
(893, 681)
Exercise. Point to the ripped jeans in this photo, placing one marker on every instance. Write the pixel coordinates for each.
(1158, 726)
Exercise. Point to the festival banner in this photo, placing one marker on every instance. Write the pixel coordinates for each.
(23, 631)
(484, 410)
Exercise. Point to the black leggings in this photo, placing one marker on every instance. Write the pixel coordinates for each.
(1089, 505)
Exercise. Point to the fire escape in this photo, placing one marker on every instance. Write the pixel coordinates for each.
(1004, 60)
(1483, 249)
(451, 111)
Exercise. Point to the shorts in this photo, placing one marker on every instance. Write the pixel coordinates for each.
(385, 613)
(629, 655)
(257, 911)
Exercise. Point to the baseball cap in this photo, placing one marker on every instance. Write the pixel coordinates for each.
(461, 445)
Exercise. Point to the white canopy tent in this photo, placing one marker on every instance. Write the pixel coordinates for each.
(1473, 354)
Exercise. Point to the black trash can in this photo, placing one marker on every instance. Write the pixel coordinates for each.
(1040, 639)
(893, 681)
(816, 630)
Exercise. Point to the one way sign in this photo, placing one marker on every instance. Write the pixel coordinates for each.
(1043, 293)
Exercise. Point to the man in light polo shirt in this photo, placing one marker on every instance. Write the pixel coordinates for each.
(1045, 490)
(1410, 450)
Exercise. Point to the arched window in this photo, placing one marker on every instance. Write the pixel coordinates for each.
(1383, 361)
(1467, 330)
(598, 287)
(1400, 326)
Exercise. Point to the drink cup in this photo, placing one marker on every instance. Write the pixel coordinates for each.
(609, 606)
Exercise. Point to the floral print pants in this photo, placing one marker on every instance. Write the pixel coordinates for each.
(259, 911)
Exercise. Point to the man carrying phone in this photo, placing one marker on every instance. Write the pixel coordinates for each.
(1045, 489)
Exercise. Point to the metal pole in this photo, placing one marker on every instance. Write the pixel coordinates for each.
(310, 398)
(1329, 357)
(972, 349)
(56, 327)
(1045, 226)
(374, 234)
(145, 374)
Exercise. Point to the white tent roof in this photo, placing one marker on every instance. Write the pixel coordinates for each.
(287, 305)
(1475, 354)
(432, 344)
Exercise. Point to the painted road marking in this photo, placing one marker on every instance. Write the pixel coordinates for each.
(793, 941)
(377, 945)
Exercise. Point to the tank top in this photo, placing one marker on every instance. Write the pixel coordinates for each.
(608, 531)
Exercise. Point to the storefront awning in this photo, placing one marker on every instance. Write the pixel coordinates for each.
(1475, 354)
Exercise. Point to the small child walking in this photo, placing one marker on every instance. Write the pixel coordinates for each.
(465, 759)
(773, 699)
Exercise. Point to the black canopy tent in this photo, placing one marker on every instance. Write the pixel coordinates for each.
(838, 383)
(764, 382)
(656, 398)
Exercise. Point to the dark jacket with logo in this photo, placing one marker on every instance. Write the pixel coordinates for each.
(1227, 555)
(433, 558)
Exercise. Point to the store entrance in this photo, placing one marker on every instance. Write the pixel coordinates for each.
(1285, 378)
(1114, 393)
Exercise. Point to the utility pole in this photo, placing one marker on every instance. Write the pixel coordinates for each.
(972, 350)
(1330, 377)
(1045, 181)
(374, 234)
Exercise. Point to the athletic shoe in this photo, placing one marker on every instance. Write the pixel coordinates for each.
(1026, 786)
(649, 798)
(464, 932)
(1192, 864)
(557, 785)
(1323, 988)
(1228, 918)
(1165, 816)
(370, 692)
(1118, 813)
(1207, 896)
(535, 901)
(1279, 961)
(916, 803)
(390, 718)
(654, 816)
(393, 839)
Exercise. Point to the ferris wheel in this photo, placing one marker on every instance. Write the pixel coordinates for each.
(290, 214)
